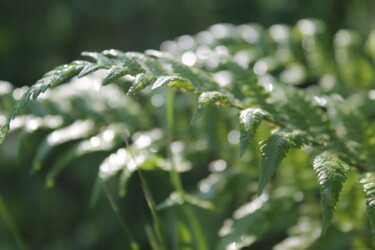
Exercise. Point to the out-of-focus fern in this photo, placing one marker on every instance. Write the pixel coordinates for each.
(292, 78)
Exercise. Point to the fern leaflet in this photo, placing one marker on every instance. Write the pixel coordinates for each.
(331, 173)
(250, 120)
(273, 150)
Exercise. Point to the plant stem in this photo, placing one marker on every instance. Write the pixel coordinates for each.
(174, 174)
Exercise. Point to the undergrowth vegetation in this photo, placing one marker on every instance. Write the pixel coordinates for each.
(239, 136)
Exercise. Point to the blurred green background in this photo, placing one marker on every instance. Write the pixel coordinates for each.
(36, 35)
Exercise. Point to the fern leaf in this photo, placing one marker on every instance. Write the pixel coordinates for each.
(250, 120)
(331, 172)
(113, 74)
(90, 68)
(149, 64)
(368, 188)
(141, 81)
(54, 77)
(273, 150)
(198, 78)
(312, 116)
(128, 60)
(207, 99)
(177, 81)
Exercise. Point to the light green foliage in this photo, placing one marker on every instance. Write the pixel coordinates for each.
(314, 94)
(331, 172)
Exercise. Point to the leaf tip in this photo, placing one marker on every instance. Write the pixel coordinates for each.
(197, 114)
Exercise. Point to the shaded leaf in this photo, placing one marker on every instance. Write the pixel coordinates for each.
(273, 150)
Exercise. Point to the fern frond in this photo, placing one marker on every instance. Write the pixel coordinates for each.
(55, 77)
(273, 150)
(368, 188)
(113, 74)
(141, 81)
(250, 120)
(331, 172)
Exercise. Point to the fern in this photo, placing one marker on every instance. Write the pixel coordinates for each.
(331, 172)
(209, 98)
(273, 150)
(272, 78)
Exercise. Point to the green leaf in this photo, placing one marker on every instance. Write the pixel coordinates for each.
(207, 99)
(141, 81)
(128, 60)
(250, 120)
(90, 68)
(55, 77)
(113, 74)
(331, 172)
(149, 64)
(368, 188)
(171, 81)
(273, 150)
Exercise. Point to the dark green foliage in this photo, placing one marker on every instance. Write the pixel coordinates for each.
(239, 76)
